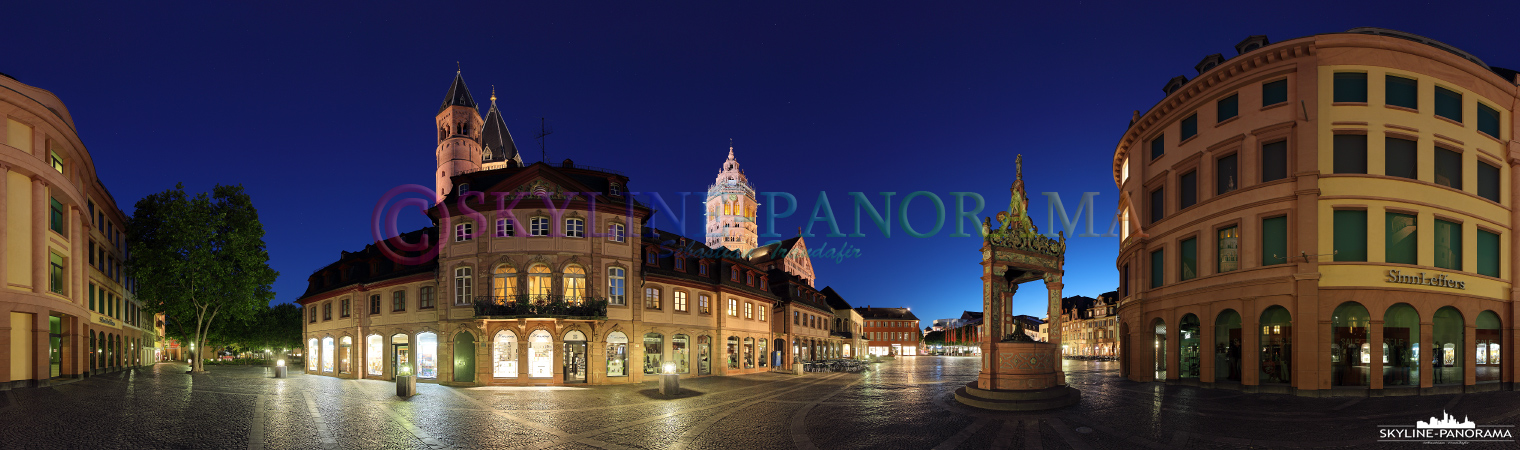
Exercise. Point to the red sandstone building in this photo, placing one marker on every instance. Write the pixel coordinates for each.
(890, 331)
(1326, 215)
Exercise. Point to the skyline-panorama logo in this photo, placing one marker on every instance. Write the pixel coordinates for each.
(1446, 430)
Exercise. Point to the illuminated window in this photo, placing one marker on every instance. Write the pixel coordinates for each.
(680, 300)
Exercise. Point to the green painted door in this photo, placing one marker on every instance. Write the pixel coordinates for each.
(464, 357)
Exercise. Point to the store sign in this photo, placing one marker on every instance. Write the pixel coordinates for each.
(1438, 280)
(105, 320)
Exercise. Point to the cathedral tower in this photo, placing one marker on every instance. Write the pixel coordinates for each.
(731, 209)
(459, 130)
(496, 140)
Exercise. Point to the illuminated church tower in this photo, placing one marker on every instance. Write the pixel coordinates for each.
(731, 209)
(459, 127)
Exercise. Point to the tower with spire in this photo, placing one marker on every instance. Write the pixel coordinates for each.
(496, 140)
(459, 135)
(731, 208)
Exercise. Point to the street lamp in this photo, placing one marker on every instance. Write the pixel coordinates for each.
(670, 381)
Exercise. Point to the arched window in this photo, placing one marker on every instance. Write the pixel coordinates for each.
(374, 355)
(1447, 336)
(1159, 342)
(617, 354)
(312, 353)
(1401, 346)
(541, 354)
(345, 355)
(401, 355)
(504, 284)
(1276, 345)
(575, 283)
(540, 282)
(1350, 351)
(733, 352)
(760, 352)
(463, 287)
(654, 349)
(504, 354)
(1487, 347)
(615, 284)
(1227, 347)
(327, 354)
(749, 353)
(680, 351)
(427, 355)
(94, 352)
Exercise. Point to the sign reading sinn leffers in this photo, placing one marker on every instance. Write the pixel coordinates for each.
(1437, 280)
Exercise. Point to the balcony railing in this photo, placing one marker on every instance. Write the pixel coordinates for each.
(540, 306)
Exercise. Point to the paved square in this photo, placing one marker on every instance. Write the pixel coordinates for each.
(903, 404)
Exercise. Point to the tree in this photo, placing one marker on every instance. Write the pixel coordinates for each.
(200, 258)
(934, 338)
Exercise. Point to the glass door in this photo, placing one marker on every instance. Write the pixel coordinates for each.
(575, 362)
(55, 345)
(402, 357)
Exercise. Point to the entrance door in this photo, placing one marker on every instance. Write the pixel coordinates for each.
(464, 357)
(575, 362)
(401, 356)
(704, 355)
(55, 344)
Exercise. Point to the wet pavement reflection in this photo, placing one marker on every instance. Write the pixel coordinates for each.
(901, 404)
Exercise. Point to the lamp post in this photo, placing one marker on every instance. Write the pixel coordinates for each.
(670, 381)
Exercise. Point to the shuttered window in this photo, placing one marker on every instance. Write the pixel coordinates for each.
(1350, 235)
(1274, 241)
(1488, 253)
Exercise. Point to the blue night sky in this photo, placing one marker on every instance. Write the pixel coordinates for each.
(318, 108)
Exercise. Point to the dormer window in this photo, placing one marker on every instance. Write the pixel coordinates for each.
(614, 190)
(702, 268)
(1174, 84)
(734, 274)
(464, 187)
(1209, 62)
(1251, 43)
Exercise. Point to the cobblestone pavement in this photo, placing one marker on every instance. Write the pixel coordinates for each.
(903, 404)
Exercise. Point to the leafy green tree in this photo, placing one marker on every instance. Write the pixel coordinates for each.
(199, 258)
(935, 338)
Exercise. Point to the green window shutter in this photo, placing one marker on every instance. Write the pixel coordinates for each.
(1274, 92)
(1350, 235)
(1488, 120)
(1158, 267)
(1350, 153)
(1402, 242)
(1351, 87)
(1402, 91)
(1400, 156)
(1448, 245)
(1448, 168)
(1488, 254)
(1228, 253)
(1274, 241)
(1228, 108)
(1189, 182)
(1448, 104)
(1274, 161)
(1189, 269)
(1488, 181)
(1189, 127)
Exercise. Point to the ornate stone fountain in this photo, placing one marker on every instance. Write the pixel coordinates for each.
(1018, 373)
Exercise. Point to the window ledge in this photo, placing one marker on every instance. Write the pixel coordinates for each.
(1451, 121)
(1402, 108)
(1348, 103)
(1275, 105)
(1225, 121)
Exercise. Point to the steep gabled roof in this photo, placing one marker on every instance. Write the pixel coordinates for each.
(496, 139)
(835, 301)
(458, 95)
(869, 312)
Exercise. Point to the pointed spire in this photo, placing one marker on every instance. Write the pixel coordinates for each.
(458, 95)
(495, 139)
(730, 148)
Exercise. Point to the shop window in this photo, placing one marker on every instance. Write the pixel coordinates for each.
(427, 355)
(1350, 87)
(749, 353)
(1276, 340)
(1274, 240)
(1487, 348)
(617, 354)
(654, 349)
(1350, 352)
(1350, 153)
(1447, 339)
(1488, 253)
(1225, 177)
(1448, 248)
(733, 352)
(1227, 346)
(1188, 347)
(313, 352)
(1400, 158)
(1158, 267)
(761, 351)
(1189, 259)
(1189, 190)
(1402, 92)
(615, 283)
(1227, 108)
(1401, 346)
(1158, 146)
(1448, 168)
(1189, 127)
(504, 355)
(1402, 238)
(327, 354)
(1488, 181)
(1274, 92)
(1449, 104)
(345, 349)
(680, 349)
(1488, 120)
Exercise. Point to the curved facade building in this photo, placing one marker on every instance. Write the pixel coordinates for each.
(1327, 215)
(69, 309)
